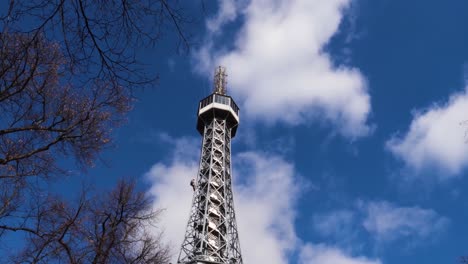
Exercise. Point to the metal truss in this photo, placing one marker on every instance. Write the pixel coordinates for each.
(211, 235)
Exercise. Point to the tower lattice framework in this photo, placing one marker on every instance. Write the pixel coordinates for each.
(211, 235)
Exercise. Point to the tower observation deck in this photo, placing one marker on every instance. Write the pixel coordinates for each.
(211, 236)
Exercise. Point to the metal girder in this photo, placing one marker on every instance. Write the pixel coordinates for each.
(211, 236)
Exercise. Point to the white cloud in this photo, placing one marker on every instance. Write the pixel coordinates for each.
(171, 189)
(266, 189)
(265, 218)
(265, 205)
(387, 222)
(280, 72)
(320, 254)
(436, 139)
(228, 11)
(337, 223)
(381, 222)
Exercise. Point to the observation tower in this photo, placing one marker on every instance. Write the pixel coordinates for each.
(211, 236)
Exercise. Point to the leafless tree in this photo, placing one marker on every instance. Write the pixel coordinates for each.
(67, 72)
(101, 229)
(43, 118)
(99, 37)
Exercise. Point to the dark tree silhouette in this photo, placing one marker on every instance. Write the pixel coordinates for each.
(102, 229)
(99, 37)
(67, 72)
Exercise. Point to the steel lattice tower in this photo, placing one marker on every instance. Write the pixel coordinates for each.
(211, 235)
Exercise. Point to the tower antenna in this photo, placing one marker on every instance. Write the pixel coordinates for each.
(220, 80)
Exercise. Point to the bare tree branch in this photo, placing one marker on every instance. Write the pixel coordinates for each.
(68, 69)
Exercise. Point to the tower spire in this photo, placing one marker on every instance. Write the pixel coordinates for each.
(211, 235)
(220, 80)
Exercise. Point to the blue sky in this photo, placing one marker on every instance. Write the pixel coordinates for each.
(351, 147)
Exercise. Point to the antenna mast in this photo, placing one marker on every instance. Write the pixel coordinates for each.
(220, 80)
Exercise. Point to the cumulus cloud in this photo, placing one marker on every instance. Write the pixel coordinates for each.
(266, 189)
(265, 218)
(280, 71)
(436, 139)
(387, 222)
(381, 222)
(339, 223)
(171, 190)
(265, 205)
(320, 254)
(228, 11)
